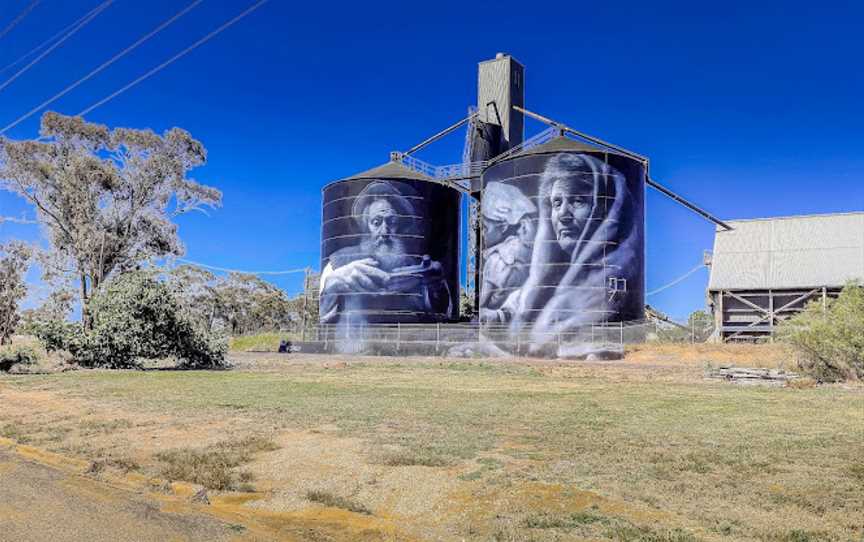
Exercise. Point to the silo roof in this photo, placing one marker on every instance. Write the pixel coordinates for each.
(562, 144)
(807, 251)
(390, 170)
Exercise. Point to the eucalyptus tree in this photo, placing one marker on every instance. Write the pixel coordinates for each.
(237, 303)
(249, 304)
(196, 290)
(14, 262)
(106, 197)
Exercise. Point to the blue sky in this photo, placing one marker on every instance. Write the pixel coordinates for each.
(750, 109)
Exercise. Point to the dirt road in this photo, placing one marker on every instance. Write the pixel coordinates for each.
(41, 503)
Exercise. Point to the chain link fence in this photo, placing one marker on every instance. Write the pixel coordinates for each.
(605, 340)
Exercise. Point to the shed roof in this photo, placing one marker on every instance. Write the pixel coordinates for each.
(789, 252)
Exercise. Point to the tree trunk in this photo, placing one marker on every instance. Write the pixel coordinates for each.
(85, 302)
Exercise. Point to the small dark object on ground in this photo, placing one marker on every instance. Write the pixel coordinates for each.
(200, 497)
(284, 347)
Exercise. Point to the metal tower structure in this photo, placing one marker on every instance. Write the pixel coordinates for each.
(495, 131)
(498, 127)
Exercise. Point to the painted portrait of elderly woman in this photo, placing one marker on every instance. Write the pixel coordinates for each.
(587, 249)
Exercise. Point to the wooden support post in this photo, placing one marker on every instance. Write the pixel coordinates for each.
(771, 314)
(718, 316)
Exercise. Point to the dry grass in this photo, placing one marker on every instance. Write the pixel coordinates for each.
(215, 467)
(413, 458)
(773, 356)
(123, 464)
(641, 450)
(335, 501)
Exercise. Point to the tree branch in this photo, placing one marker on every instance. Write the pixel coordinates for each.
(33, 199)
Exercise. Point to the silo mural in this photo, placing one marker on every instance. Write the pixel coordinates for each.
(390, 249)
(563, 234)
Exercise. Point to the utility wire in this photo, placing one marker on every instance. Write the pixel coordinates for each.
(102, 66)
(44, 44)
(19, 18)
(170, 61)
(214, 268)
(676, 281)
(14, 220)
(92, 15)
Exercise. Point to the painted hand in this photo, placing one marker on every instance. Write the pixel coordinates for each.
(359, 276)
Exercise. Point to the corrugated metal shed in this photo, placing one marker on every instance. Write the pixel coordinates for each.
(789, 252)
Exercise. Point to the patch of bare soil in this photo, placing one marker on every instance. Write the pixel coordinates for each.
(405, 502)
(40, 502)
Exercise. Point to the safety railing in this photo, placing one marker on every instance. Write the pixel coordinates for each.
(417, 165)
(442, 338)
(467, 170)
(460, 171)
(459, 339)
(534, 141)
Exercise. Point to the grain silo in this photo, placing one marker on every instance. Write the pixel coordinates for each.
(555, 237)
(563, 240)
(389, 249)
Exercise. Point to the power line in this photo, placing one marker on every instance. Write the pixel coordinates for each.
(676, 281)
(171, 60)
(226, 270)
(19, 18)
(44, 43)
(92, 15)
(104, 65)
(14, 220)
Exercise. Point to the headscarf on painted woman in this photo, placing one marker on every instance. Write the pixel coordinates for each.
(567, 285)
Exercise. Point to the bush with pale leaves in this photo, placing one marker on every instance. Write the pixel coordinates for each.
(829, 343)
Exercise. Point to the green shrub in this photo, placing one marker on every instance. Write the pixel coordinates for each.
(829, 343)
(12, 355)
(136, 317)
(53, 334)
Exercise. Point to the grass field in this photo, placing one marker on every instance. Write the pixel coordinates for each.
(450, 450)
(260, 342)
